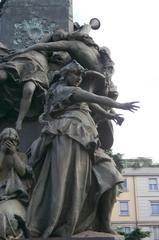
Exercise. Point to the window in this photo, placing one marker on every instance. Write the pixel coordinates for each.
(124, 208)
(153, 184)
(125, 185)
(126, 229)
(155, 230)
(155, 208)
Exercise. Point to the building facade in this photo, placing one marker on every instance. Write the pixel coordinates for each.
(138, 204)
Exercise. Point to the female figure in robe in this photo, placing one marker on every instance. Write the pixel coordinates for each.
(68, 189)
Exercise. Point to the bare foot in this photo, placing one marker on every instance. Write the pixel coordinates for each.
(18, 126)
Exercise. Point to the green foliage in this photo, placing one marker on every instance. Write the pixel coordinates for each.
(117, 159)
(136, 234)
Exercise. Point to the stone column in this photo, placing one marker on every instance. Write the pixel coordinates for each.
(23, 22)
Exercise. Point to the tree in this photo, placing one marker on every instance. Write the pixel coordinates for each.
(118, 158)
(136, 234)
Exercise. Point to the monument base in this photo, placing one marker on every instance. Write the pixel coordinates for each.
(89, 235)
(97, 236)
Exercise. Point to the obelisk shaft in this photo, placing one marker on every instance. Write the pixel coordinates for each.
(23, 22)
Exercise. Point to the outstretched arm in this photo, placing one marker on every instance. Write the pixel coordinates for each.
(104, 114)
(84, 96)
(50, 46)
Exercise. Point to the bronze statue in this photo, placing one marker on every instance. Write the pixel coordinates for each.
(84, 50)
(72, 200)
(67, 159)
(24, 82)
(80, 46)
(13, 188)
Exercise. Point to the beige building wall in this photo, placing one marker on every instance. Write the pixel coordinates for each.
(144, 197)
(125, 196)
(140, 197)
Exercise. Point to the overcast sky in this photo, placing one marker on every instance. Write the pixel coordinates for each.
(129, 28)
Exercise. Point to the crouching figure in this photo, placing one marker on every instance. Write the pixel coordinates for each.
(13, 187)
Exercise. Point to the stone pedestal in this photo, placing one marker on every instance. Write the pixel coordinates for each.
(23, 22)
(91, 235)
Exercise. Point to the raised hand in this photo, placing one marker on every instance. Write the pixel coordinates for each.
(118, 119)
(131, 106)
(11, 147)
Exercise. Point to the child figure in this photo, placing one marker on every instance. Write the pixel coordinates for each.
(13, 191)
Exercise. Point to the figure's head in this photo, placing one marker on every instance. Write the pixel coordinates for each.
(107, 62)
(73, 78)
(9, 134)
(109, 70)
(59, 34)
(72, 74)
(60, 58)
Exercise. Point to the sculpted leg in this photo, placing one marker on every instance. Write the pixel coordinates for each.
(105, 210)
(28, 91)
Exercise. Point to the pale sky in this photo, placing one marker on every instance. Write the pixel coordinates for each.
(129, 28)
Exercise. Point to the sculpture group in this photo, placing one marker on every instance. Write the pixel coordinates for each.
(68, 185)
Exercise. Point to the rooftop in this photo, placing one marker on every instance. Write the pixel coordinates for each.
(144, 171)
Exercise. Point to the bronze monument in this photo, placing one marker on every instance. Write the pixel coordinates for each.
(65, 183)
